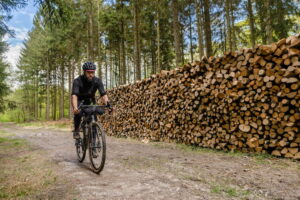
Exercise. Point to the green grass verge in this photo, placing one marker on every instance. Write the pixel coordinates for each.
(229, 191)
(259, 158)
(47, 124)
(25, 172)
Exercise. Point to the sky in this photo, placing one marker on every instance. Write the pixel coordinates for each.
(21, 23)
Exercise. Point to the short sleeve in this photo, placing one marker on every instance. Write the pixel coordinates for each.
(101, 88)
(75, 88)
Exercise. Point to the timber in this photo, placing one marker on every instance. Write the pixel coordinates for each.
(247, 100)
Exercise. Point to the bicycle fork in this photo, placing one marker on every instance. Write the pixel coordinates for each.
(93, 133)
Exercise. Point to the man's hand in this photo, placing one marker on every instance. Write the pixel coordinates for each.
(110, 108)
(76, 111)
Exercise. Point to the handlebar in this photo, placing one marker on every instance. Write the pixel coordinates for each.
(90, 106)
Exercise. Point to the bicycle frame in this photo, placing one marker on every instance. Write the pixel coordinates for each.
(88, 123)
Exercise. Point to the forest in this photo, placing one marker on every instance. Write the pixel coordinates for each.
(129, 40)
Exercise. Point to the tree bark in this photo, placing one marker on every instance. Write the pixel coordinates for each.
(62, 92)
(122, 54)
(228, 24)
(251, 22)
(137, 50)
(47, 89)
(200, 28)
(176, 32)
(70, 88)
(234, 47)
(111, 68)
(36, 91)
(90, 31)
(158, 68)
(207, 29)
(54, 96)
(262, 16)
(269, 22)
(122, 70)
(99, 42)
(191, 34)
(280, 10)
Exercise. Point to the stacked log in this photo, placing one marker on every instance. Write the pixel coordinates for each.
(247, 100)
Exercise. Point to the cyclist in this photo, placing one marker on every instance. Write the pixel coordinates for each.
(83, 90)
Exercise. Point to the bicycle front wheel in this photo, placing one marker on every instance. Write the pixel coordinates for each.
(81, 145)
(97, 147)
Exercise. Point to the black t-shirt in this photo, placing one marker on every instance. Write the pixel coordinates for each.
(86, 90)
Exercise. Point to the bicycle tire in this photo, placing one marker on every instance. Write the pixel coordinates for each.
(101, 137)
(81, 145)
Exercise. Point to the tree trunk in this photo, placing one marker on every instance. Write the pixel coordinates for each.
(225, 38)
(106, 73)
(251, 23)
(70, 88)
(40, 110)
(122, 66)
(47, 89)
(90, 31)
(191, 34)
(269, 22)
(79, 68)
(62, 93)
(99, 42)
(158, 66)
(234, 47)
(145, 64)
(200, 28)
(123, 60)
(176, 32)
(261, 12)
(137, 50)
(228, 24)
(54, 96)
(207, 29)
(36, 96)
(182, 42)
(280, 10)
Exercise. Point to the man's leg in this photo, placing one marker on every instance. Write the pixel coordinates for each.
(77, 120)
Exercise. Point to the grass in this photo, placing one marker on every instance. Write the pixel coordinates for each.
(25, 172)
(62, 124)
(194, 178)
(5, 134)
(259, 158)
(229, 190)
(4, 117)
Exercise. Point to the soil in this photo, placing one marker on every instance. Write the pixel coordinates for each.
(137, 170)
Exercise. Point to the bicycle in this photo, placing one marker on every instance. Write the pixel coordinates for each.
(92, 137)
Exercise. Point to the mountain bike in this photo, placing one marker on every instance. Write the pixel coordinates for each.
(92, 137)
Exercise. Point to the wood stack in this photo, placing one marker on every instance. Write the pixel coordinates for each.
(247, 100)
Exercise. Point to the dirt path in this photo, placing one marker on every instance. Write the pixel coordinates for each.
(135, 170)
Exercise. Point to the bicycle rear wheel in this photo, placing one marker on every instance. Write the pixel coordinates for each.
(81, 145)
(97, 147)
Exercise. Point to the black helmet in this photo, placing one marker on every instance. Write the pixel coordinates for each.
(89, 66)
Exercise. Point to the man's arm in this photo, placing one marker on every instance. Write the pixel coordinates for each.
(74, 97)
(105, 99)
(102, 92)
(74, 101)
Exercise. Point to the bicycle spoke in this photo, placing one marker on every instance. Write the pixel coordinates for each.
(80, 146)
(97, 148)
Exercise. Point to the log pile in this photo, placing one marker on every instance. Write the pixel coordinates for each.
(247, 101)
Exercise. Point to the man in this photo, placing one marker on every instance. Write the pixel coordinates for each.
(83, 90)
